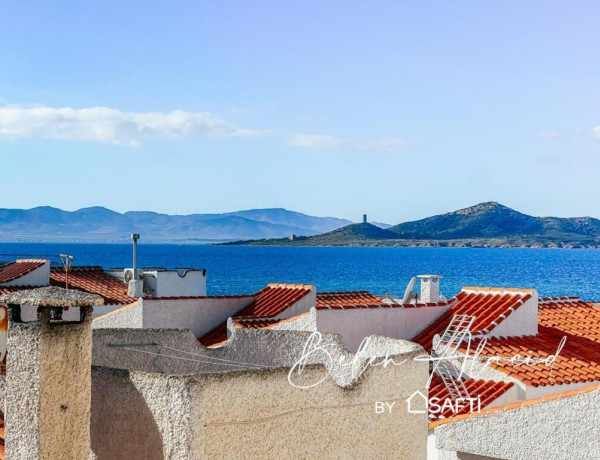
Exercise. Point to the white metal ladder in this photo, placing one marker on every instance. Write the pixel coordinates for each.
(446, 346)
(455, 333)
(453, 383)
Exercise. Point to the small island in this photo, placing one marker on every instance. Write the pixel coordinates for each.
(485, 225)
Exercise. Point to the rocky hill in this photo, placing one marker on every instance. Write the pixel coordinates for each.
(483, 225)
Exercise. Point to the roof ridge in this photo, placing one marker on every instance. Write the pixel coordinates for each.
(560, 299)
(289, 286)
(80, 268)
(497, 290)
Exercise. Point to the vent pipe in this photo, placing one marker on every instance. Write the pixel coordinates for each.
(135, 286)
(135, 237)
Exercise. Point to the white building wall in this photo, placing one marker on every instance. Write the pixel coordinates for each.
(191, 283)
(538, 392)
(198, 315)
(356, 324)
(168, 283)
(302, 306)
(522, 321)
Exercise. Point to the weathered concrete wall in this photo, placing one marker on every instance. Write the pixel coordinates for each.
(139, 416)
(253, 411)
(356, 324)
(48, 389)
(259, 415)
(66, 351)
(179, 352)
(130, 316)
(565, 428)
(23, 383)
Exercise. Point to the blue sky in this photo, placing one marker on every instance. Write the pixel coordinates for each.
(398, 109)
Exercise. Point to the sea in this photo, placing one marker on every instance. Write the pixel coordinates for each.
(246, 269)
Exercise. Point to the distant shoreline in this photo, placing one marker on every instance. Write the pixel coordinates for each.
(421, 244)
(371, 244)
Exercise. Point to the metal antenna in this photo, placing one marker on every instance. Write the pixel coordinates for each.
(67, 262)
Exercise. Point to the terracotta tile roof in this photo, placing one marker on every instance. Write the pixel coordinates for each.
(268, 302)
(490, 306)
(346, 299)
(256, 323)
(488, 390)
(571, 315)
(95, 280)
(216, 337)
(15, 270)
(577, 362)
(261, 323)
(516, 405)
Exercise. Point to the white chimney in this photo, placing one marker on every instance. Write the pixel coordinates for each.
(135, 285)
(430, 288)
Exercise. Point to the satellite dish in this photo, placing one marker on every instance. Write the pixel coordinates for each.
(128, 276)
(409, 290)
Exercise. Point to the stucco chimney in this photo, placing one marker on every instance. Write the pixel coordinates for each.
(48, 373)
(430, 288)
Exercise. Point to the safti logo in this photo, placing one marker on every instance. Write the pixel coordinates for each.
(417, 403)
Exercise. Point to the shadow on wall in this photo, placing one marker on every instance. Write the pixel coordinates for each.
(122, 425)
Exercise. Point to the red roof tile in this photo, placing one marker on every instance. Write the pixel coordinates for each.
(577, 362)
(488, 390)
(18, 269)
(490, 306)
(261, 323)
(268, 303)
(346, 299)
(94, 280)
(571, 315)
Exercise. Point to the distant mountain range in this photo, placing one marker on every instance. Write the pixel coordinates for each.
(483, 225)
(98, 224)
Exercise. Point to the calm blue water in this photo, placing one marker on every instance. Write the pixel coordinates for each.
(238, 269)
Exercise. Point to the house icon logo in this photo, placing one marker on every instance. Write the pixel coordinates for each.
(416, 403)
